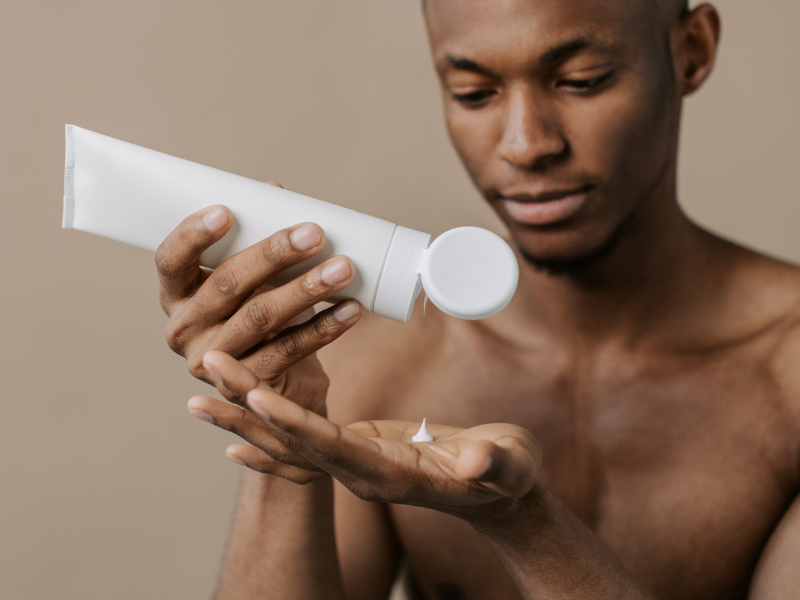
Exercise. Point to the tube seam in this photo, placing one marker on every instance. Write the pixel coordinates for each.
(383, 270)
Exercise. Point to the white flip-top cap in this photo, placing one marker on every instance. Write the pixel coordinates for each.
(469, 273)
(400, 283)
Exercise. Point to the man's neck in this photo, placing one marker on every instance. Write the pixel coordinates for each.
(661, 266)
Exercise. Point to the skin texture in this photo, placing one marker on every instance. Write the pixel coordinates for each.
(627, 428)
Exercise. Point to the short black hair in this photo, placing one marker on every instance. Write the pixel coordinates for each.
(684, 4)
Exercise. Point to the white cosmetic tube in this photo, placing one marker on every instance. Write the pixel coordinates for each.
(138, 196)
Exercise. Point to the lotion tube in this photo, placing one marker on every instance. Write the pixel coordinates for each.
(138, 196)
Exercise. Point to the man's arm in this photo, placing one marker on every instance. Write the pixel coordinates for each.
(778, 573)
(777, 576)
(281, 543)
(284, 544)
(551, 553)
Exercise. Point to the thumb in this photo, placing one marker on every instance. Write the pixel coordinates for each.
(510, 470)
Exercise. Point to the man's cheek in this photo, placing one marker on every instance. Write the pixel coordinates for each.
(628, 137)
(472, 140)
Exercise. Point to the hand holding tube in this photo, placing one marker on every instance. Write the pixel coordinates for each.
(233, 310)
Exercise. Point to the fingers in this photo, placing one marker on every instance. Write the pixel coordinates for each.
(177, 259)
(336, 450)
(268, 311)
(235, 279)
(476, 460)
(231, 374)
(296, 343)
(258, 460)
(247, 426)
(510, 470)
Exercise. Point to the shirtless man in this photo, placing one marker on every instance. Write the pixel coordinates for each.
(644, 381)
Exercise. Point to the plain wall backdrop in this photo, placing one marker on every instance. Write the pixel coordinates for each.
(109, 488)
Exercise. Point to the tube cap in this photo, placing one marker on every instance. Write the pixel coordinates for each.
(400, 283)
(469, 273)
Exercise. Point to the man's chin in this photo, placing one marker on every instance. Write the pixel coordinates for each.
(576, 263)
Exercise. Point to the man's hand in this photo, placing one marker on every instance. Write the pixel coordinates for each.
(232, 309)
(488, 475)
(462, 472)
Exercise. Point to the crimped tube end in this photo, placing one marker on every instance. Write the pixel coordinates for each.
(69, 181)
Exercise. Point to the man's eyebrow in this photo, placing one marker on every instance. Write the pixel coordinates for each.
(552, 56)
(465, 64)
(563, 51)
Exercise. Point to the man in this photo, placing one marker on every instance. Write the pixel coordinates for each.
(643, 382)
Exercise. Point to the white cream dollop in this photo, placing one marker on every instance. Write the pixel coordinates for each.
(422, 434)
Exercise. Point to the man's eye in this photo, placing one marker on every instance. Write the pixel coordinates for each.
(585, 85)
(474, 99)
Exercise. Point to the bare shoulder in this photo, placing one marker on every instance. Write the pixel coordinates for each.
(757, 294)
(786, 358)
(772, 288)
(369, 365)
(750, 314)
(784, 366)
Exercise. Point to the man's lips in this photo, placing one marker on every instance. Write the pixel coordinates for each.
(546, 208)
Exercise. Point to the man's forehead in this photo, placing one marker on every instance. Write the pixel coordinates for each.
(535, 27)
(462, 17)
(454, 7)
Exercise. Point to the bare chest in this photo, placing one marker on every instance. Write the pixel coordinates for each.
(682, 470)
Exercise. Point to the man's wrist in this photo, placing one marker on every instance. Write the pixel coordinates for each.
(515, 522)
(267, 487)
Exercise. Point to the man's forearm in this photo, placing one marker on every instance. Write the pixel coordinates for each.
(551, 554)
(282, 542)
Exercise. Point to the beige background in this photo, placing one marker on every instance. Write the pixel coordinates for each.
(109, 489)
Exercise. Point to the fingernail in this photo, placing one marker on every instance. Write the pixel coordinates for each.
(305, 238)
(233, 458)
(202, 415)
(336, 271)
(346, 311)
(215, 219)
(213, 371)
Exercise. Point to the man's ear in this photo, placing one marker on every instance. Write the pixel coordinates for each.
(696, 47)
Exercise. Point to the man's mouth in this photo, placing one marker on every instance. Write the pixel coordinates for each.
(545, 208)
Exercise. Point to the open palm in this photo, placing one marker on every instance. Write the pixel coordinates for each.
(459, 472)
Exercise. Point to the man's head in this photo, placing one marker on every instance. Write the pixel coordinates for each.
(566, 112)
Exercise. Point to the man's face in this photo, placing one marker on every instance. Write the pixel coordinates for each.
(565, 113)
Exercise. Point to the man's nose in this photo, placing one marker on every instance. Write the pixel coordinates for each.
(532, 138)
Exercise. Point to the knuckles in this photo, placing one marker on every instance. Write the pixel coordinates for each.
(309, 288)
(166, 303)
(291, 346)
(257, 317)
(325, 328)
(240, 425)
(176, 335)
(166, 264)
(226, 282)
(277, 250)
(194, 363)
